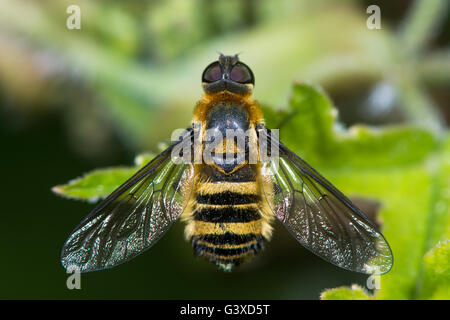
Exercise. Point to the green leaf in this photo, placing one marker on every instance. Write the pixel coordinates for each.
(99, 183)
(345, 293)
(437, 272)
(309, 127)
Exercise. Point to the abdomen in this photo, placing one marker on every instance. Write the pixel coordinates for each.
(225, 224)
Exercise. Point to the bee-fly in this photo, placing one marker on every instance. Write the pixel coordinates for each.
(227, 200)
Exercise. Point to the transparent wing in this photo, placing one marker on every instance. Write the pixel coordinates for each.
(132, 218)
(321, 218)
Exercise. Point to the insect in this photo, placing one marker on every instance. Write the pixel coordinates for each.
(228, 206)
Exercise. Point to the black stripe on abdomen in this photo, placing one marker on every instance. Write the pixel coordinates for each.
(229, 238)
(227, 198)
(227, 214)
(224, 252)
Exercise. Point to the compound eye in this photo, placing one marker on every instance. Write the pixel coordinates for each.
(242, 74)
(212, 73)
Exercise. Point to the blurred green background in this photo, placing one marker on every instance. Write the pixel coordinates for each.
(75, 100)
